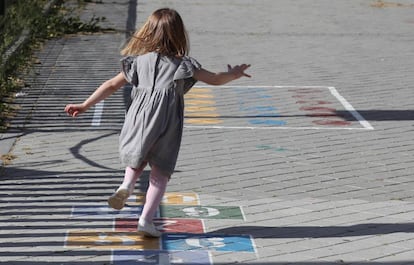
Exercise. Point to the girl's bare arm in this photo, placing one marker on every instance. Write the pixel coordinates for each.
(103, 91)
(222, 77)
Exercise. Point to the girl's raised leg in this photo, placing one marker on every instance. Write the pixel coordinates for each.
(118, 199)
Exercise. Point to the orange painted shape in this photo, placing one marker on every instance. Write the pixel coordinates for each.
(174, 198)
(110, 240)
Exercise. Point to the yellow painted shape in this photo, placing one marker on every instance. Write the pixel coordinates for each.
(199, 102)
(204, 115)
(194, 109)
(198, 96)
(110, 240)
(196, 90)
(204, 121)
(200, 105)
(174, 198)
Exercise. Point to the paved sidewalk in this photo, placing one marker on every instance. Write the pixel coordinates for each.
(309, 162)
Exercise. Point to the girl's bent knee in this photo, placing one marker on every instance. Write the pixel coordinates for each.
(156, 172)
(158, 175)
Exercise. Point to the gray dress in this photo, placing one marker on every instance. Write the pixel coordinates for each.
(154, 122)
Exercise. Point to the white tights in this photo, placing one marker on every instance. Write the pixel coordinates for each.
(157, 185)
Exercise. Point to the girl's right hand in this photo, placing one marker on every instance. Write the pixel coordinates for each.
(238, 70)
(74, 110)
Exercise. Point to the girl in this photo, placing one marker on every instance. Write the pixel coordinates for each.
(157, 65)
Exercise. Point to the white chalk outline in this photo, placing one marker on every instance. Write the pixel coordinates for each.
(364, 123)
(350, 109)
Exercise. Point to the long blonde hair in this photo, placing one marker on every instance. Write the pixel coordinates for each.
(163, 32)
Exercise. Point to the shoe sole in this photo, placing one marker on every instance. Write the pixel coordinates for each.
(117, 200)
(148, 234)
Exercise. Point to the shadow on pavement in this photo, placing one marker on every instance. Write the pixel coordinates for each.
(380, 115)
(318, 231)
(132, 262)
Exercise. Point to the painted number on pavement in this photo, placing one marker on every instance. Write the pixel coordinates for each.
(202, 212)
(207, 242)
(174, 198)
(110, 240)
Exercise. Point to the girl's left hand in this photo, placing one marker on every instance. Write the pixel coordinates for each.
(74, 110)
(238, 70)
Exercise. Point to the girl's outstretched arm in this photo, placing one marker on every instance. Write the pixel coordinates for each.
(221, 78)
(103, 91)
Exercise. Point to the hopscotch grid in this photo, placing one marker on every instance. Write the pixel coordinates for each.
(348, 107)
(242, 212)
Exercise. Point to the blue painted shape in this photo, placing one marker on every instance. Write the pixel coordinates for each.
(264, 147)
(208, 242)
(264, 96)
(274, 115)
(268, 147)
(136, 257)
(267, 122)
(259, 108)
(265, 108)
(100, 211)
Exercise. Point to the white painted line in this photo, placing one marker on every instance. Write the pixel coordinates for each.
(65, 243)
(351, 109)
(97, 115)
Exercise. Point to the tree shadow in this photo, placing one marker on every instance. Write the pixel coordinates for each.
(81, 254)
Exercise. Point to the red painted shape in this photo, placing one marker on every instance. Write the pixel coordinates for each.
(306, 90)
(306, 96)
(315, 102)
(318, 108)
(321, 109)
(168, 225)
(330, 114)
(126, 225)
(332, 122)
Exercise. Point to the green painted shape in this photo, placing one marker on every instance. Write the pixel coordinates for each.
(201, 212)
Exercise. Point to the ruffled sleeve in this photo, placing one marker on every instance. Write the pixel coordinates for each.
(129, 68)
(185, 72)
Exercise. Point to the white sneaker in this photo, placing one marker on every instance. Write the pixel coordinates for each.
(148, 229)
(118, 199)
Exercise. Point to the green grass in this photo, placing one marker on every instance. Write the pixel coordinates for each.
(29, 16)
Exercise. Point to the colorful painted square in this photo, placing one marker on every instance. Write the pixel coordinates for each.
(110, 240)
(166, 225)
(207, 242)
(174, 198)
(122, 257)
(202, 212)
